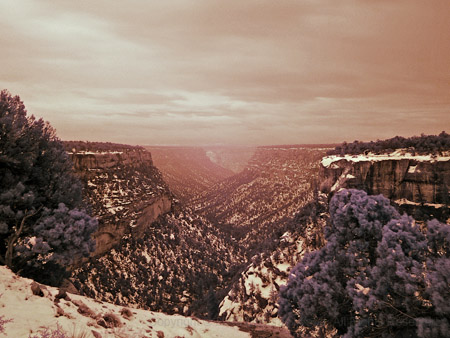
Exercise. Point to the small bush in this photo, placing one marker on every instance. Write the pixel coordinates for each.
(112, 320)
(126, 313)
(4, 321)
(47, 333)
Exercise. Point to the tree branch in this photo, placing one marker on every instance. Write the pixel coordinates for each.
(14, 237)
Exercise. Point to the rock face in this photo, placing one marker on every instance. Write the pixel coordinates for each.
(419, 181)
(84, 162)
(126, 191)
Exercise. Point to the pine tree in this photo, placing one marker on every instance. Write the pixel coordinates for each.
(41, 215)
(379, 274)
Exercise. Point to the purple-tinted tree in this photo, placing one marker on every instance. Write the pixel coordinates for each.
(386, 296)
(316, 293)
(436, 321)
(378, 275)
(41, 211)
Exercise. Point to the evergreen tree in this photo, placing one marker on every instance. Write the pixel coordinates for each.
(41, 219)
(378, 275)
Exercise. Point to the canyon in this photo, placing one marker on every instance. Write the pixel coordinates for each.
(158, 242)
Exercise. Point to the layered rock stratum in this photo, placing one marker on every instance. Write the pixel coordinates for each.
(417, 183)
(125, 190)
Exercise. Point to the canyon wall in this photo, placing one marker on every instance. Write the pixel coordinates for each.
(412, 182)
(126, 192)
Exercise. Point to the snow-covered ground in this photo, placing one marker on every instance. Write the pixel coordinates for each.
(77, 314)
(400, 154)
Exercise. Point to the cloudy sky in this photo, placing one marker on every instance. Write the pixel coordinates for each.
(193, 72)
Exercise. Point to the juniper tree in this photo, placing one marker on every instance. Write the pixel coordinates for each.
(378, 275)
(41, 215)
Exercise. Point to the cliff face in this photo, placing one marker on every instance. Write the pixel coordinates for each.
(87, 162)
(412, 181)
(126, 192)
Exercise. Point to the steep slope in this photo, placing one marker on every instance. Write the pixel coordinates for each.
(170, 268)
(123, 187)
(187, 170)
(253, 298)
(52, 308)
(151, 251)
(256, 204)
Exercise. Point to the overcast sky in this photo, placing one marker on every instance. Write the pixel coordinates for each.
(194, 72)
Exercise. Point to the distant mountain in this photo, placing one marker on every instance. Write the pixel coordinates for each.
(188, 171)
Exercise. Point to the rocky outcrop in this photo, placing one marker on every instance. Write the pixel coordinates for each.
(419, 181)
(109, 234)
(86, 161)
(126, 192)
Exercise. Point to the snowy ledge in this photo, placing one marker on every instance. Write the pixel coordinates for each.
(403, 201)
(400, 154)
(94, 153)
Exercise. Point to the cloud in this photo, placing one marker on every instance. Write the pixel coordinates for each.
(235, 71)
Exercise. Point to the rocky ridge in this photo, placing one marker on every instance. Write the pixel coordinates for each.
(419, 184)
(125, 190)
(253, 298)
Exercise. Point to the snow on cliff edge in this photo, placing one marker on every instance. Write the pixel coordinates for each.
(31, 313)
(399, 154)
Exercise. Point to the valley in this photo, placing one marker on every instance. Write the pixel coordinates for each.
(188, 171)
(181, 235)
(227, 241)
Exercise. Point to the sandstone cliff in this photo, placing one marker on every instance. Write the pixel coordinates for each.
(126, 191)
(413, 182)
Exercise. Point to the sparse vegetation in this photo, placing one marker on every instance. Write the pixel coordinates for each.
(424, 144)
(80, 146)
(4, 321)
(52, 333)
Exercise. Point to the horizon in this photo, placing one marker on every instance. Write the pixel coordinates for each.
(254, 73)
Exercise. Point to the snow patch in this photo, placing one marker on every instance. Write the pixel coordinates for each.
(406, 201)
(31, 314)
(400, 154)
